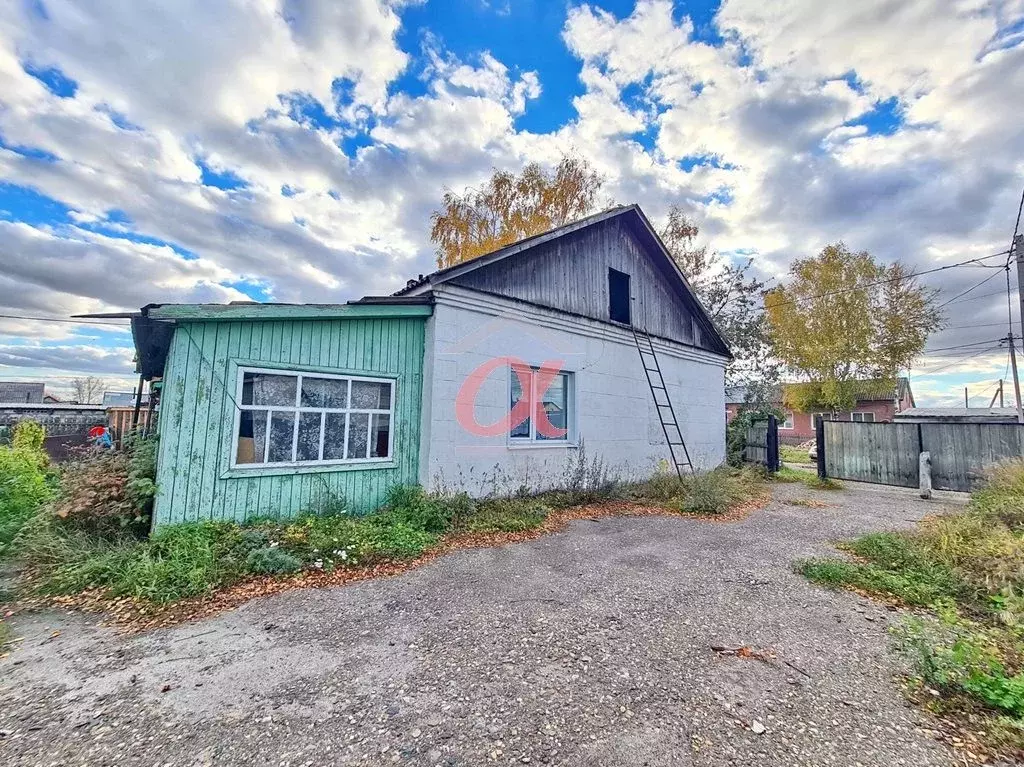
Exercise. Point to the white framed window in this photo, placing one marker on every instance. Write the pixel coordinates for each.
(788, 423)
(815, 417)
(291, 418)
(557, 401)
(862, 417)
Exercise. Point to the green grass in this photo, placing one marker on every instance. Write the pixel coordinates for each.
(807, 478)
(65, 556)
(967, 570)
(793, 454)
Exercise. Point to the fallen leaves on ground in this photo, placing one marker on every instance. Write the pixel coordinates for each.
(131, 615)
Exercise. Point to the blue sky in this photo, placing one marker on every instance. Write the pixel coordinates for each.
(178, 151)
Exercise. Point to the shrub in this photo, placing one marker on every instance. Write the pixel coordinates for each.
(413, 507)
(663, 486)
(109, 492)
(714, 492)
(272, 561)
(24, 481)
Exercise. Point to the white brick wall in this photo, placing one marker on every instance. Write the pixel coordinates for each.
(616, 417)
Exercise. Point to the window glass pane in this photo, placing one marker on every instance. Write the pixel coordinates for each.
(282, 428)
(308, 448)
(334, 436)
(380, 430)
(869, 417)
(371, 395)
(358, 434)
(267, 389)
(324, 392)
(555, 402)
(520, 429)
(252, 436)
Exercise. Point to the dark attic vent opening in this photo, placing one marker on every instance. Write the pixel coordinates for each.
(618, 296)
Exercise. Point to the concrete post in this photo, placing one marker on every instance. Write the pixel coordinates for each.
(925, 467)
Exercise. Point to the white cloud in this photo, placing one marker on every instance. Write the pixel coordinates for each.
(779, 103)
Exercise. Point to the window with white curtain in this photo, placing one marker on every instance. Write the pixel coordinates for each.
(286, 418)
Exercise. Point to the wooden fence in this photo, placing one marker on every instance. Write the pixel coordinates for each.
(762, 444)
(889, 453)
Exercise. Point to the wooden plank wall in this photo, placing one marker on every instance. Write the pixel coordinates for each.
(571, 274)
(883, 453)
(197, 415)
(962, 451)
(757, 445)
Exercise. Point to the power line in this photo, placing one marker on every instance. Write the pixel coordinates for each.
(957, 362)
(964, 346)
(973, 298)
(57, 319)
(973, 287)
(890, 279)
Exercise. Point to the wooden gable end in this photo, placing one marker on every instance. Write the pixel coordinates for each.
(572, 273)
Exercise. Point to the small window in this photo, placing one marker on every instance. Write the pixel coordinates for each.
(287, 418)
(788, 423)
(550, 412)
(618, 296)
(862, 417)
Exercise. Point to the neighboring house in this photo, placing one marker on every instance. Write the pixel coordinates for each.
(22, 392)
(799, 426)
(517, 370)
(957, 415)
(123, 399)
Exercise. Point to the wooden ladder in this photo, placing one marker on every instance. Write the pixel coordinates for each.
(666, 413)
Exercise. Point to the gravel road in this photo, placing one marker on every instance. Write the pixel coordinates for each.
(587, 647)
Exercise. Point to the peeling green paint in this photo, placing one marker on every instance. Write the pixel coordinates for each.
(194, 479)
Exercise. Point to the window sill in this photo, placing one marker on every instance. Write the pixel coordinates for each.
(557, 444)
(270, 471)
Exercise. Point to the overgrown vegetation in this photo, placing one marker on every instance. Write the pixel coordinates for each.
(26, 482)
(108, 492)
(706, 493)
(967, 569)
(793, 454)
(87, 538)
(807, 478)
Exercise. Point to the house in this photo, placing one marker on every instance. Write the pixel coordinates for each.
(957, 415)
(518, 370)
(22, 392)
(799, 426)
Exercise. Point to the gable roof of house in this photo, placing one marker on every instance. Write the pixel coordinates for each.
(640, 225)
(21, 391)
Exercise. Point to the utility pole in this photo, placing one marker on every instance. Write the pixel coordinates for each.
(998, 395)
(1017, 254)
(967, 402)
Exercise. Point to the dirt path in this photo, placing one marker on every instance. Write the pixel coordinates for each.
(588, 647)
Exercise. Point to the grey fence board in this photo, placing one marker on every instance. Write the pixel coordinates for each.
(883, 453)
(756, 444)
(961, 452)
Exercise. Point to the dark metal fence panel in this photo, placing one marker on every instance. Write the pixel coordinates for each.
(883, 453)
(961, 452)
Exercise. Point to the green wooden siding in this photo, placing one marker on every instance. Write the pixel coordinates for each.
(194, 479)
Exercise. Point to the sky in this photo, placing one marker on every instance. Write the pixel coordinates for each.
(293, 150)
